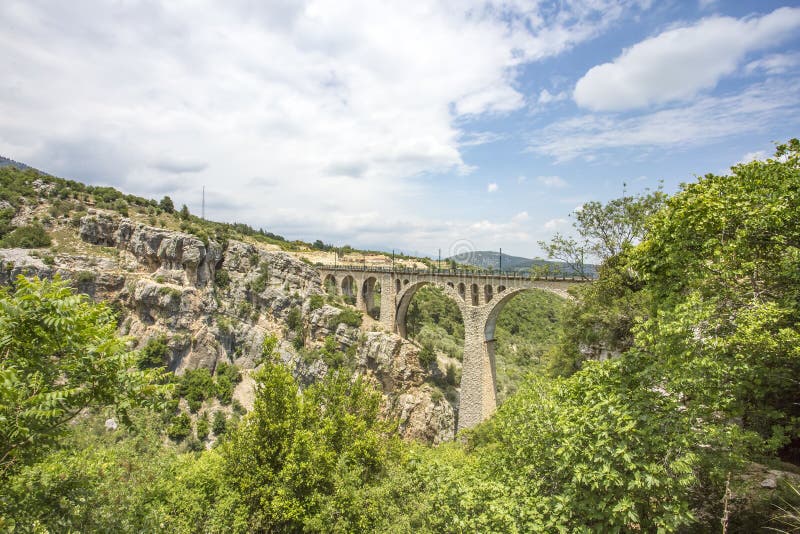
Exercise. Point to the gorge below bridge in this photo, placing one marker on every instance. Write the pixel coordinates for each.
(480, 297)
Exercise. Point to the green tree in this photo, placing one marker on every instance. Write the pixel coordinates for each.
(299, 461)
(184, 213)
(60, 355)
(155, 353)
(604, 230)
(202, 427)
(219, 424)
(196, 385)
(167, 205)
(721, 261)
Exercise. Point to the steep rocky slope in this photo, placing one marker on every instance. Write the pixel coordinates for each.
(216, 302)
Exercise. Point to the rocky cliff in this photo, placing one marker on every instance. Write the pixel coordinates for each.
(215, 302)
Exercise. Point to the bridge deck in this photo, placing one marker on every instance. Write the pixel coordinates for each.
(463, 273)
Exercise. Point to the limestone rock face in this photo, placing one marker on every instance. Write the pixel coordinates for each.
(154, 248)
(19, 261)
(394, 364)
(164, 284)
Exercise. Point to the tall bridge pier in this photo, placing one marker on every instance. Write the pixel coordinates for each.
(480, 297)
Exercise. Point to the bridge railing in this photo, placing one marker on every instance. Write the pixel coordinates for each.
(463, 273)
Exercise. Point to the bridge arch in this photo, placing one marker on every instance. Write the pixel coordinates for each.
(349, 288)
(404, 301)
(490, 322)
(370, 289)
(329, 284)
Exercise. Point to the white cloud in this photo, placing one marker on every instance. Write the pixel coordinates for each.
(681, 62)
(554, 224)
(520, 217)
(753, 156)
(546, 97)
(774, 63)
(707, 120)
(492, 187)
(296, 116)
(551, 181)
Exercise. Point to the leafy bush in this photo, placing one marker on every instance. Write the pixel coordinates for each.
(227, 376)
(297, 462)
(427, 356)
(259, 284)
(29, 236)
(180, 427)
(219, 423)
(155, 353)
(60, 356)
(294, 319)
(348, 316)
(167, 205)
(202, 427)
(85, 277)
(268, 346)
(222, 279)
(196, 386)
(6, 215)
(237, 407)
(316, 302)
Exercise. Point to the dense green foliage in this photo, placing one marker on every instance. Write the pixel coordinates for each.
(30, 236)
(434, 321)
(155, 353)
(297, 462)
(348, 316)
(59, 355)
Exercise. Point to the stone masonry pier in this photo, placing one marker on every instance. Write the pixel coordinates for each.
(479, 295)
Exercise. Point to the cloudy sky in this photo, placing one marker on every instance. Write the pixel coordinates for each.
(407, 125)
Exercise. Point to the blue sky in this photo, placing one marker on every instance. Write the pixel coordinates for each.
(413, 126)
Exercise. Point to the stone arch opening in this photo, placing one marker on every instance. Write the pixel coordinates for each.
(329, 284)
(488, 292)
(476, 299)
(349, 289)
(520, 327)
(462, 291)
(397, 285)
(451, 284)
(500, 289)
(371, 295)
(447, 306)
(405, 282)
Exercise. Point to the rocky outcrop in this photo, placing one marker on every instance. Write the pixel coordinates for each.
(165, 285)
(19, 261)
(154, 248)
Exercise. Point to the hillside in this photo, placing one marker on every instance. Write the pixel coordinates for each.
(6, 162)
(202, 295)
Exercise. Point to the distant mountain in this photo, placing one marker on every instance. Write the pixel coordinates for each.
(489, 259)
(6, 162)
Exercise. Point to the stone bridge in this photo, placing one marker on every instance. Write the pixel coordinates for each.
(480, 297)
